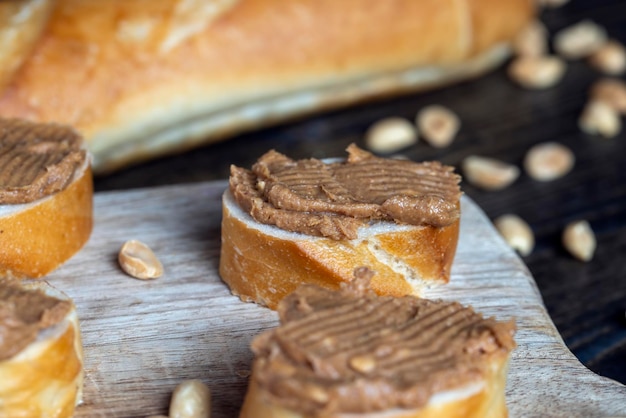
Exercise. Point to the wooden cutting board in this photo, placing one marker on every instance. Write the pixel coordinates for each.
(142, 338)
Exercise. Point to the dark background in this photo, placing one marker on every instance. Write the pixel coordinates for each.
(587, 301)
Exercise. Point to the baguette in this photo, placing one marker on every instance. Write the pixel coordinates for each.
(41, 353)
(352, 354)
(147, 77)
(264, 262)
(46, 207)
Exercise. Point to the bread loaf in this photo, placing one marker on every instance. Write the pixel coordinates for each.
(354, 354)
(41, 353)
(46, 193)
(269, 248)
(146, 77)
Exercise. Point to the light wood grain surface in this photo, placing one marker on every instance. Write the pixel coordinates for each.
(142, 338)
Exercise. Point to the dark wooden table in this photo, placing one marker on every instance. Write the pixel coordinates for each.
(587, 301)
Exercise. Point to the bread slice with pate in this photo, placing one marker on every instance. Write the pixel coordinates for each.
(46, 194)
(352, 354)
(287, 223)
(41, 353)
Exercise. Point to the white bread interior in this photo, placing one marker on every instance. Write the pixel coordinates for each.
(263, 263)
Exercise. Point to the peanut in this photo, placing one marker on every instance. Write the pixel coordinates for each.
(438, 125)
(138, 261)
(580, 40)
(610, 58)
(578, 238)
(548, 161)
(600, 118)
(363, 364)
(610, 91)
(532, 40)
(516, 232)
(390, 135)
(489, 173)
(191, 399)
(537, 72)
(317, 394)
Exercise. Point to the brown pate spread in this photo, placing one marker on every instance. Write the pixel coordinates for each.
(36, 160)
(25, 312)
(351, 351)
(335, 199)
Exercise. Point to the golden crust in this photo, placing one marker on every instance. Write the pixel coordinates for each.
(489, 402)
(123, 72)
(264, 268)
(47, 233)
(497, 21)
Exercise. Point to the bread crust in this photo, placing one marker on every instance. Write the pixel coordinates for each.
(496, 21)
(145, 77)
(264, 268)
(42, 236)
